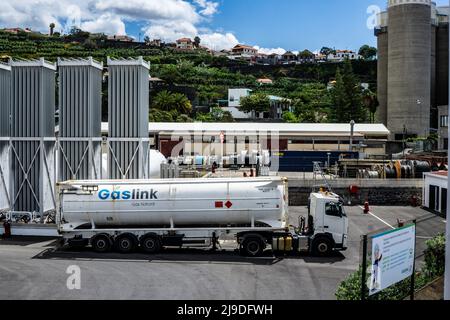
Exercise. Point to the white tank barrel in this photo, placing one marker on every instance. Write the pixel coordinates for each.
(174, 203)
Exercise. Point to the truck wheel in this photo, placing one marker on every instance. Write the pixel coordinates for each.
(253, 246)
(322, 246)
(124, 243)
(101, 243)
(151, 244)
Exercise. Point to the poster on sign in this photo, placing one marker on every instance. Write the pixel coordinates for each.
(393, 254)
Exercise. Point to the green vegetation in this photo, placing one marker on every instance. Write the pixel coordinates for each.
(350, 289)
(368, 52)
(208, 77)
(258, 102)
(347, 97)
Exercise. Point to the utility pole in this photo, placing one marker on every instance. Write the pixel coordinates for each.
(447, 247)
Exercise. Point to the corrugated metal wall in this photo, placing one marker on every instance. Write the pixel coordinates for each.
(32, 120)
(5, 99)
(80, 103)
(128, 103)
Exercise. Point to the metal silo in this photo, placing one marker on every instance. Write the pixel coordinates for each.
(5, 100)
(33, 135)
(442, 61)
(80, 104)
(409, 67)
(382, 89)
(128, 109)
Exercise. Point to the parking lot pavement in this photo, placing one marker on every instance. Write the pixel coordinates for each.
(34, 269)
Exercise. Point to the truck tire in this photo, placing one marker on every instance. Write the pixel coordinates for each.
(253, 246)
(322, 246)
(101, 243)
(151, 244)
(125, 243)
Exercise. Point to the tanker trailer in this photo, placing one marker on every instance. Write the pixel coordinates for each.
(152, 214)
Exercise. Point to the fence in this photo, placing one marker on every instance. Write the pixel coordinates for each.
(427, 227)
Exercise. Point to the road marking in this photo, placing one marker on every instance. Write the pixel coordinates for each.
(379, 218)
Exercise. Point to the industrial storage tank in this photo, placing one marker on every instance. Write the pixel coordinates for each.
(128, 107)
(442, 58)
(33, 135)
(382, 72)
(5, 100)
(174, 203)
(409, 67)
(80, 112)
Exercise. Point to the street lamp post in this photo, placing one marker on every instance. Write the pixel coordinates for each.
(352, 131)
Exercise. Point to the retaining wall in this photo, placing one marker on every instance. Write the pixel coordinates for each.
(377, 192)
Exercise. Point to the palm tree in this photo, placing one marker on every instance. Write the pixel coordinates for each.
(197, 42)
(52, 28)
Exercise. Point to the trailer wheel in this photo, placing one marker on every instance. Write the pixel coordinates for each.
(101, 243)
(125, 243)
(322, 246)
(151, 243)
(253, 246)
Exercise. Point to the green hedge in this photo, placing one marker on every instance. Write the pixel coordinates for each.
(350, 289)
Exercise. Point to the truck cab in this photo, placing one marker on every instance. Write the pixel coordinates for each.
(327, 223)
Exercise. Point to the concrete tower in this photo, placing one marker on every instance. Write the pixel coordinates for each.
(409, 67)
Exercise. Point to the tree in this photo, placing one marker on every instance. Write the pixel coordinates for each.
(371, 103)
(168, 101)
(197, 41)
(215, 115)
(326, 51)
(368, 52)
(147, 40)
(347, 97)
(52, 28)
(169, 73)
(258, 102)
(290, 117)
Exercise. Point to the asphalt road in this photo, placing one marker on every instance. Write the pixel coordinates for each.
(33, 269)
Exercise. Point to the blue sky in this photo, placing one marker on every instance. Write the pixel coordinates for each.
(271, 25)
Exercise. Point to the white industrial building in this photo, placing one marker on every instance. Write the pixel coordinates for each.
(435, 191)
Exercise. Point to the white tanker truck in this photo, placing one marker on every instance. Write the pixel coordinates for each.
(152, 214)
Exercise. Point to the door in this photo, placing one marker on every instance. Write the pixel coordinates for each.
(334, 222)
(444, 201)
(433, 198)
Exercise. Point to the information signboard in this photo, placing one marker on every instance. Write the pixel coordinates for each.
(393, 254)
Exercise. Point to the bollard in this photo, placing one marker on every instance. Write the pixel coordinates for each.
(366, 207)
(7, 227)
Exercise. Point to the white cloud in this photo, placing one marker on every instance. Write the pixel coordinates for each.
(150, 9)
(165, 19)
(218, 41)
(270, 50)
(106, 23)
(208, 8)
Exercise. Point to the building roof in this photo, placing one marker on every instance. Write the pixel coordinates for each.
(305, 129)
(243, 46)
(265, 80)
(438, 174)
(184, 40)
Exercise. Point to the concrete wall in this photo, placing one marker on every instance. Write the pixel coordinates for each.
(376, 191)
(442, 68)
(382, 77)
(409, 71)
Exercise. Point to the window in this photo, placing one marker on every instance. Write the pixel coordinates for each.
(334, 209)
(444, 121)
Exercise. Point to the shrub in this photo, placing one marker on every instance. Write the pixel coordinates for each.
(350, 288)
